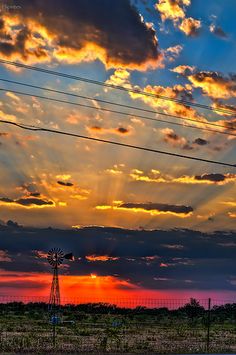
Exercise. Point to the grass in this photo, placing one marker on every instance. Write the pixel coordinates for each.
(26, 329)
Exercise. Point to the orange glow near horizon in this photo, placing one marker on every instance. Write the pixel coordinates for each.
(94, 288)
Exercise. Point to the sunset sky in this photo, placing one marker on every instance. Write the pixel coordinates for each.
(158, 214)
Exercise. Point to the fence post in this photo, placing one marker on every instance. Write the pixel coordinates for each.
(208, 325)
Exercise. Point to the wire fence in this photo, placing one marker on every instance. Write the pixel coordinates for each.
(117, 325)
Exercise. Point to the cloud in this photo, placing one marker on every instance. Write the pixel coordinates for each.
(120, 77)
(190, 26)
(172, 53)
(218, 31)
(180, 92)
(65, 183)
(183, 69)
(217, 104)
(102, 130)
(155, 176)
(40, 254)
(103, 258)
(215, 177)
(172, 138)
(214, 84)
(200, 141)
(175, 140)
(27, 202)
(172, 9)
(173, 246)
(50, 31)
(141, 256)
(62, 188)
(4, 257)
(117, 169)
(154, 209)
(63, 176)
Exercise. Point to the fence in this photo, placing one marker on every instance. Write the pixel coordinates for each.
(118, 326)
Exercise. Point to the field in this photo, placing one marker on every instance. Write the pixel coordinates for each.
(100, 328)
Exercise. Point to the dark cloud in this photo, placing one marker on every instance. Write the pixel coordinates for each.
(65, 183)
(23, 284)
(122, 130)
(12, 224)
(160, 207)
(27, 201)
(35, 194)
(214, 84)
(218, 31)
(18, 46)
(151, 259)
(211, 177)
(103, 130)
(200, 141)
(111, 31)
(172, 138)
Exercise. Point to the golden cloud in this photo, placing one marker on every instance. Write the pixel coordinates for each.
(190, 26)
(207, 179)
(153, 209)
(120, 77)
(220, 105)
(214, 84)
(27, 202)
(172, 9)
(64, 187)
(94, 258)
(168, 106)
(183, 69)
(116, 169)
(118, 131)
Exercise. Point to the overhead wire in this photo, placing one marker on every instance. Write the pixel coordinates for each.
(117, 87)
(113, 103)
(115, 111)
(126, 145)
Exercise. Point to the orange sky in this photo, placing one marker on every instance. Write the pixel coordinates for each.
(94, 288)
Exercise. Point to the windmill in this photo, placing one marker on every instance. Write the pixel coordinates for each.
(55, 258)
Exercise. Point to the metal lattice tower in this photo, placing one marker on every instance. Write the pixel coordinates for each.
(55, 259)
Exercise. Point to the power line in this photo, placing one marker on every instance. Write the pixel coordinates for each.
(42, 129)
(115, 111)
(112, 86)
(112, 103)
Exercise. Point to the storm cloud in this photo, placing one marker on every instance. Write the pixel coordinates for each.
(212, 177)
(111, 31)
(154, 259)
(26, 202)
(159, 207)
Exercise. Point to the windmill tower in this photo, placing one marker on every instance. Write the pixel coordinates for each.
(55, 258)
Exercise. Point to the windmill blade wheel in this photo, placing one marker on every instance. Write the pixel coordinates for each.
(55, 257)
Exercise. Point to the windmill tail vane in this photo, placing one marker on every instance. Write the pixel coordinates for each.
(55, 258)
(69, 256)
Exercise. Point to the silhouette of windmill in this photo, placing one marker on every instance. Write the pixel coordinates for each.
(55, 258)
